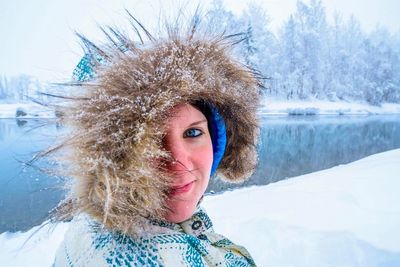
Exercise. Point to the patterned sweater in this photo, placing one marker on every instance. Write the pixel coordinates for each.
(190, 243)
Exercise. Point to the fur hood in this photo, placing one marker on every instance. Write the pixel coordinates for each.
(118, 120)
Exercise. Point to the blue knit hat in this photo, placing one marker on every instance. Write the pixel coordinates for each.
(216, 126)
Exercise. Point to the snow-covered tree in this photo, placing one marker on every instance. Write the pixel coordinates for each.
(303, 51)
(219, 19)
(290, 60)
(347, 60)
(381, 73)
(20, 88)
(3, 87)
(259, 46)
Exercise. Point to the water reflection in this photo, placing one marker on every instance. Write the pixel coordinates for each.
(291, 146)
(21, 123)
(26, 193)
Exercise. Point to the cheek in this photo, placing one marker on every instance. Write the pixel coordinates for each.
(204, 158)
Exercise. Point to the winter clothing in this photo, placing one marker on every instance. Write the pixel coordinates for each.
(218, 136)
(118, 125)
(191, 243)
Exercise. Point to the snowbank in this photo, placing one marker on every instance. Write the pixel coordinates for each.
(25, 111)
(345, 216)
(348, 215)
(318, 107)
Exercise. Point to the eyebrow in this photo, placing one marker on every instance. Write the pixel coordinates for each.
(197, 122)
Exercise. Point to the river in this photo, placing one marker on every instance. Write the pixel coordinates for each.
(289, 146)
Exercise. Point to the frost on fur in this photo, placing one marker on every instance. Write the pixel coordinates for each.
(118, 121)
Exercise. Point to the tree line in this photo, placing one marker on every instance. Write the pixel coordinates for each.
(309, 58)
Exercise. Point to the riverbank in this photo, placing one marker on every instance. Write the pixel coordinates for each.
(27, 110)
(268, 107)
(343, 216)
(319, 107)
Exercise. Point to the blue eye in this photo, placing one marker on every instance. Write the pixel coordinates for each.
(193, 133)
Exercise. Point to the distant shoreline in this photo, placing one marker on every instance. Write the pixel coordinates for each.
(268, 107)
(26, 110)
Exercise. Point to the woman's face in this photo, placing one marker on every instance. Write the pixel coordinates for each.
(189, 142)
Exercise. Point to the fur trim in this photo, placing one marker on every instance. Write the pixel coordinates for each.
(118, 123)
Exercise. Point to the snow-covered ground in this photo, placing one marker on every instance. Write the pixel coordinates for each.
(345, 216)
(25, 110)
(268, 107)
(318, 107)
(348, 215)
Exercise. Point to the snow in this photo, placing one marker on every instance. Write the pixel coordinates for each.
(268, 107)
(344, 216)
(32, 110)
(35, 247)
(271, 106)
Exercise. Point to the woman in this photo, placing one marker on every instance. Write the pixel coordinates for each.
(154, 122)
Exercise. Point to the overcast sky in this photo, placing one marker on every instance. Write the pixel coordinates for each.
(37, 36)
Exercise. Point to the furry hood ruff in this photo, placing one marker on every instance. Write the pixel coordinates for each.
(118, 121)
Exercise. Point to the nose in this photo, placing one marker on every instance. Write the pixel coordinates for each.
(181, 155)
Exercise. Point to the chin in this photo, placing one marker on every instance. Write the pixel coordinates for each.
(180, 210)
(183, 205)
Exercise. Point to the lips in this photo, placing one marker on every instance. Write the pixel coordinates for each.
(181, 189)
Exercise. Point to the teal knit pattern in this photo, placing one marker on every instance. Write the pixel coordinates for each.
(191, 243)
